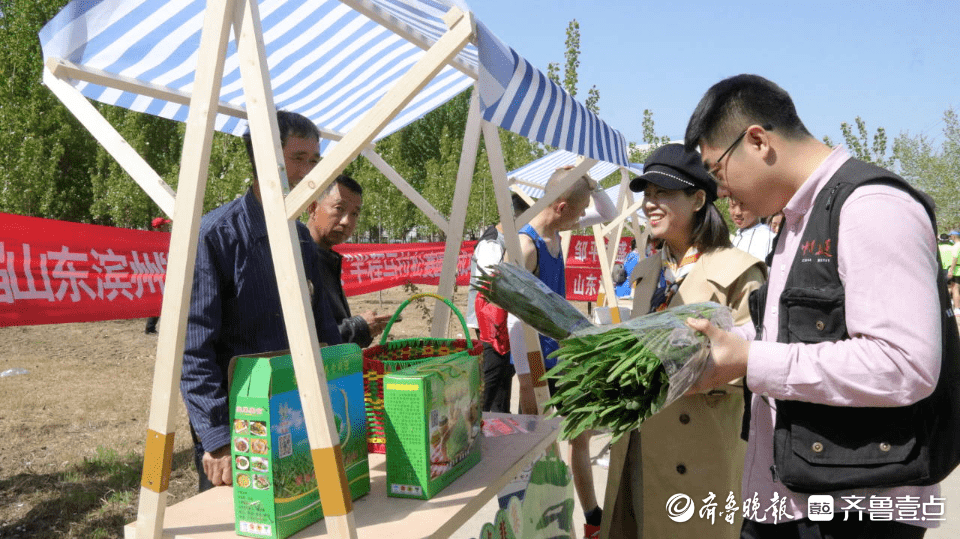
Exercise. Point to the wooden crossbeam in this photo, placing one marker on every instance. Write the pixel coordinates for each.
(65, 69)
(404, 30)
(412, 194)
(112, 141)
(458, 216)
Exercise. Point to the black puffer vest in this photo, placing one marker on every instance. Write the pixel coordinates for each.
(819, 448)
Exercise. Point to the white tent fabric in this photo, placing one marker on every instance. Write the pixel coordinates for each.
(518, 97)
(327, 61)
(531, 178)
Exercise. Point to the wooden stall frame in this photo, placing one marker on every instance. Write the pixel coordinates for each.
(281, 206)
(186, 207)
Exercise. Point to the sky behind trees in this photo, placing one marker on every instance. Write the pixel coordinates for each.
(893, 63)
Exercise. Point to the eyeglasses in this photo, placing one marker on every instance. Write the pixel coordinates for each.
(716, 165)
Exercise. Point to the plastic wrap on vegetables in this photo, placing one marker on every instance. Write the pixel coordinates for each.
(615, 377)
(608, 377)
(525, 296)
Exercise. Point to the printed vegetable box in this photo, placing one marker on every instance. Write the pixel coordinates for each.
(432, 424)
(274, 485)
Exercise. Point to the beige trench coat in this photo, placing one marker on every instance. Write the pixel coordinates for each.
(693, 446)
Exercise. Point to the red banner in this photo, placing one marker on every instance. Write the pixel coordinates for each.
(583, 267)
(53, 272)
(369, 267)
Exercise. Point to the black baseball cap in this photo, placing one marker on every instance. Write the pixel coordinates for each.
(671, 166)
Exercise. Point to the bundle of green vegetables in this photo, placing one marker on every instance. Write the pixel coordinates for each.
(520, 292)
(611, 377)
(615, 377)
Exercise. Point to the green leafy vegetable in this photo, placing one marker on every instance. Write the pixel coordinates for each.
(520, 292)
(608, 377)
(615, 377)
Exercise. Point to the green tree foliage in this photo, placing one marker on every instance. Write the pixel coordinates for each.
(553, 72)
(117, 199)
(572, 57)
(571, 66)
(934, 170)
(44, 162)
(593, 100)
(651, 141)
(52, 166)
(860, 146)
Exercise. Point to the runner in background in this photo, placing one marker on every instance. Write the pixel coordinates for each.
(159, 224)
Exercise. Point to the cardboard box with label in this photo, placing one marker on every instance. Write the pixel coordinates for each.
(433, 424)
(274, 483)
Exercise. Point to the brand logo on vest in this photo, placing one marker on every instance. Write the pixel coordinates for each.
(814, 248)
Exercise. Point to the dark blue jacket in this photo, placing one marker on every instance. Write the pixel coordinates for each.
(235, 310)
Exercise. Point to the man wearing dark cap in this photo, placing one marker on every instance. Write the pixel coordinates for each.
(693, 445)
(846, 341)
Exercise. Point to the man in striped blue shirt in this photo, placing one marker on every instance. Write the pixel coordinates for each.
(235, 302)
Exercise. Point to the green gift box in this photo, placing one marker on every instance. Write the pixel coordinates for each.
(432, 424)
(274, 484)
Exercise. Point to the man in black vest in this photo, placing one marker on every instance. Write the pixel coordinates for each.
(333, 217)
(850, 326)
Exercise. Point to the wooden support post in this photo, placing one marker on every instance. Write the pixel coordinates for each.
(610, 293)
(458, 216)
(291, 279)
(179, 280)
(614, 234)
(414, 80)
(511, 236)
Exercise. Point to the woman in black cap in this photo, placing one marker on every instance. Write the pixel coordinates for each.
(692, 447)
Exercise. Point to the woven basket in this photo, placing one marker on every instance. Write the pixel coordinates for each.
(387, 357)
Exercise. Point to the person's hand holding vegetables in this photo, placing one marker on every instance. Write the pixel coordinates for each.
(728, 356)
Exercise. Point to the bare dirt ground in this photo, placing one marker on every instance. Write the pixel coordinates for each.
(73, 427)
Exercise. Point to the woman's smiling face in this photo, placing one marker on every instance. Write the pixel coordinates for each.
(670, 213)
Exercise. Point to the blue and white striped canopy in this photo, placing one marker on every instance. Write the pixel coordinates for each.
(531, 178)
(330, 60)
(327, 61)
(520, 98)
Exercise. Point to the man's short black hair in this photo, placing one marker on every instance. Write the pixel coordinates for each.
(289, 124)
(519, 204)
(738, 102)
(346, 181)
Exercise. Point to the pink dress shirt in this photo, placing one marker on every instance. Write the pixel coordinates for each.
(887, 258)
